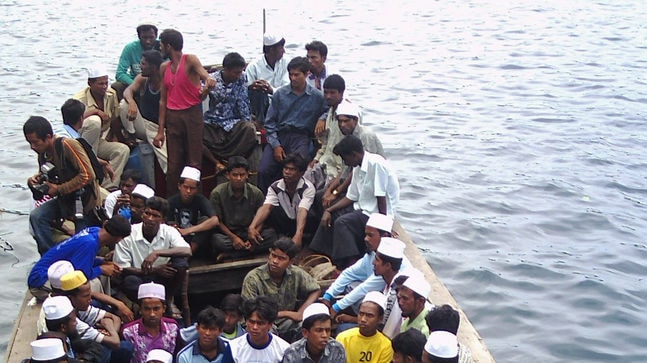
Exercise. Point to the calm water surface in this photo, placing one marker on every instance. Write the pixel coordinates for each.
(517, 129)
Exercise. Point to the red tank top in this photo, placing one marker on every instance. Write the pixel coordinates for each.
(180, 92)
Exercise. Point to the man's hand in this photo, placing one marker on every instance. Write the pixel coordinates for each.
(320, 127)
(158, 141)
(279, 154)
(147, 265)
(262, 86)
(165, 271)
(312, 163)
(132, 111)
(254, 235)
(103, 115)
(326, 219)
(110, 269)
(122, 201)
(210, 84)
(328, 199)
(53, 189)
(33, 180)
(239, 244)
(124, 313)
(297, 239)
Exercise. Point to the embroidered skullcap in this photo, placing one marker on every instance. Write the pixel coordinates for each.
(72, 280)
(57, 307)
(151, 290)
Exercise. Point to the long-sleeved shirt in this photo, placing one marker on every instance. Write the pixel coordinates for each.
(128, 66)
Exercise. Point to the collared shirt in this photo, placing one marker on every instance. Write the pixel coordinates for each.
(236, 214)
(228, 103)
(303, 197)
(325, 73)
(71, 132)
(296, 285)
(374, 178)
(133, 250)
(192, 354)
(291, 112)
(245, 352)
(297, 353)
(143, 342)
(277, 77)
(417, 323)
(110, 104)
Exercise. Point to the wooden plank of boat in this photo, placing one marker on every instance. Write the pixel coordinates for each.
(24, 330)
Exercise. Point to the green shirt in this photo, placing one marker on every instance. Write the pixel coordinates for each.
(297, 284)
(417, 323)
(236, 214)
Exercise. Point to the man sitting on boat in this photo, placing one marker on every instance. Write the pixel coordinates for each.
(228, 127)
(412, 300)
(138, 198)
(192, 213)
(118, 202)
(266, 75)
(153, 251)
(446, 318)
(287, 205)
(47, 350)
(285, 284)
(140, 106)
(209, 347)
(236, 203)
(441, 347)
(408, 346)
(129, 67)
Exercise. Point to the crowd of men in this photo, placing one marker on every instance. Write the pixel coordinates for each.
(323, 186)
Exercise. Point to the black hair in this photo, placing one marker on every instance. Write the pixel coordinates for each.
(55, 324)
(299, 162)
(334, 81)
(411, 343)
(299, 63)
(267, 48)
(237, 162)
(319, 47)
(310, 321)
(286, 245)
(144, 28)
(153, 57)
(233, 60)
(159, 204)
(133, 174)
(38, 125)
(232, 302)
(72, 111)
(173, 38)
(118, 226)
(211, 316)
(348, 145)
(443, 318)
(396, 263)
(265, 307)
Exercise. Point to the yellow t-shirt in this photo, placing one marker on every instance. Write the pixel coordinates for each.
(361, 349)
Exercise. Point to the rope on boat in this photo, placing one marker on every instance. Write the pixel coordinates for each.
(14, 211)
(5, 245)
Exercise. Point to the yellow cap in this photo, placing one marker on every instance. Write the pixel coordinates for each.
(72, 280)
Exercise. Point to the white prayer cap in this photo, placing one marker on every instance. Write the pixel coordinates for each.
(417, 282)
(391, 247)
(47, 349)
(151, 290)
(73, 280)
(159, 355)
(315, 309)
(96, 71)
(376, 297)
(143, 190)
(57, 270)
(57, 307)
(348, 109)
(270, 39)
(380, 221)
(190, 172)
(442, 344)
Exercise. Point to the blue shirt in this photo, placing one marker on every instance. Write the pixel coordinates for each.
(192, 354)
(81, 250)
(228, 103)
(291, 112)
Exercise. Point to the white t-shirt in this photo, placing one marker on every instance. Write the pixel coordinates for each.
(244, 352)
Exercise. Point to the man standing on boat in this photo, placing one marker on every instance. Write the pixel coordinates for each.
(140, 105)
(129, 66)
(180, 109)
(267, 74)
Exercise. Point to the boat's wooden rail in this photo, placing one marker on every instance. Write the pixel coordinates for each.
(214, 278)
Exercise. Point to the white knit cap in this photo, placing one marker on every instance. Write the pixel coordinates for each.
(417, 282)
(442, 344)
(190, 172)
(57, 270)
(96, 71)
(143, 190)
(270, 39)
(57, 307)
(47, 349)
(376, 297)
(348, 109)
(159, 355)
(315, 309)
(380, 221)
(391, 247)
(151, 290)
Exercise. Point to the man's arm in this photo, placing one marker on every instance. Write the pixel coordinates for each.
(302, 216)
(161, 121)
(326, 218)
(254, 232)
(381, 205)
(124, 312)
(298, 315)
(206, 225)
(195, 66)
(78, 160)
(123, 66)
(129, 95)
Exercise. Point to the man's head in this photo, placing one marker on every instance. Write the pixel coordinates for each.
(152, 299)
(170, 40)
(316, 53)
(388, 257)
(298, 70)
(294, 166)
(377, 226)
(371, 313)
(444, 318)
(408, 346)
(281, 255)
(38, 133)
(151, 61)
(347, 117)
(260, 314)
(441, 347)
(237, 172)
(129, 180)
(351, 150)
(316, 326)
(210, 325)
(233, 65)
(60, 315)
(76, 287)
(333, 89)
(54, 273)
(232, 305)
(412, 295)
(138, 198)
(147, 34)
(47, 350)
(72, 112)
(273, 46)
(114, 230)
(189, 183)
(156, 210)
(98, 80)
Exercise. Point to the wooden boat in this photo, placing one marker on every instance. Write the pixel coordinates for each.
(209, 278)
